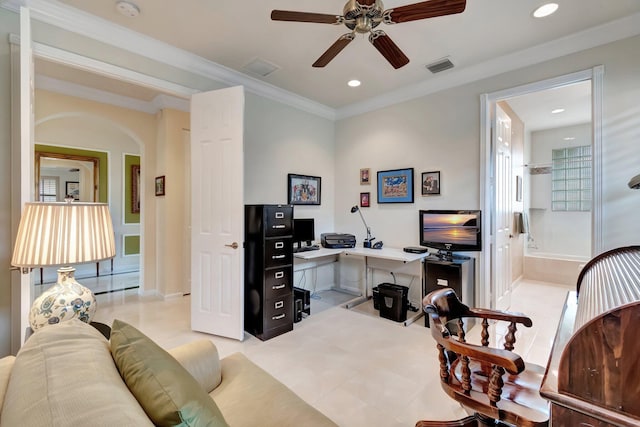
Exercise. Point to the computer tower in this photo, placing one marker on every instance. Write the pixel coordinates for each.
(393, 301)
(297, 311)
(305, 296)
(376, 298)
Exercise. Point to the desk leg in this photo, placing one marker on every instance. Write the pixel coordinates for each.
(365, 296)
(423, 287)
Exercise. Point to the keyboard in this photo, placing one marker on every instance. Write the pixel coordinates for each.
(306, 248)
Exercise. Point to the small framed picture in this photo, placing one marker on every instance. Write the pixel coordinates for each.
(303, 189)
(518, 188)
(430, 183)
(135, 188)
(364, 176)
(395, 186)
(72, 189)
(364, 199)
(160, 185)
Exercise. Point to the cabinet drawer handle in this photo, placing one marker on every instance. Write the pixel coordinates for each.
(278, 226)
(278, 317)
(276, 287)
(278, 256)
(279, 245)
(279, 215)
(279, 304)
(279, 274)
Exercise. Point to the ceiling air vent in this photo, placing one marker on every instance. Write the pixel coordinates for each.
(260, 67)
(440, 65)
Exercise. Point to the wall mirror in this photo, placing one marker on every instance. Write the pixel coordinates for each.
(58, 175)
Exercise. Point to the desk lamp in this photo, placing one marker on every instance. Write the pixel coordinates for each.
(61, 234)
(369, 239)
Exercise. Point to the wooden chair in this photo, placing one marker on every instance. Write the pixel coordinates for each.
(496, 385)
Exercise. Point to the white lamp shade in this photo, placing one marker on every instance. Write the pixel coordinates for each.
(54, 234)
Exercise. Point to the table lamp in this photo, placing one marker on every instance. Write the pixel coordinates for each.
(61, 234)
(368, 239)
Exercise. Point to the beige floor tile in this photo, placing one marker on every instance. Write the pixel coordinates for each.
(358, 369)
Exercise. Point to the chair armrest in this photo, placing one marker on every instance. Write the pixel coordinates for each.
(509, 360)
(202, 361)
(501, 315)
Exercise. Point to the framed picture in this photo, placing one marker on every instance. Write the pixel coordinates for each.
(430, 183)
(303, 189)
(135, 188)
(364, 176)
(364, 200)
(160, 185)
(395, 186)
(72, 188)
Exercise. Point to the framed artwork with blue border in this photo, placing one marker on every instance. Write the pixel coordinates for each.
(395, 186)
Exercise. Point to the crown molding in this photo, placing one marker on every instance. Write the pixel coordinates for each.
(74, 20)
(91, 26)
(81, 62)
(600, 35)
(72, 89)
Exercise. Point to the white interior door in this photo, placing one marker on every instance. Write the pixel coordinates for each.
(217, 213)
(23, 155)
(503, 211)
(186, 245)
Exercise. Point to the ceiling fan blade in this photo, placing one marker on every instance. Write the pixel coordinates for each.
(320, 18)
(334, 50)
(388, 49)
(423, 10)
(366, 2)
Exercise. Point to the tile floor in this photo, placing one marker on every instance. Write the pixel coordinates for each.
(357, 369)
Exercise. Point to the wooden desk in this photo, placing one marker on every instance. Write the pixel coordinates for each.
(591, 378)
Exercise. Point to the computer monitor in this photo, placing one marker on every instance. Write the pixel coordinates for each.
(303, 231)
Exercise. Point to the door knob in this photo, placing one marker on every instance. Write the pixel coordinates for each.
(234, 245)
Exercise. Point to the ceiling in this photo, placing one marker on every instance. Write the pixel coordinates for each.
(234, 33)
(490, 36)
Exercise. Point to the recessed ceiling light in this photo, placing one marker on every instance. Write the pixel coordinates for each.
(128, 9)
(545, 10)
(569, 138)
(354, 83)
(557, 110)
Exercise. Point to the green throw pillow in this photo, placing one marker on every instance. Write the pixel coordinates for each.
(167, 392)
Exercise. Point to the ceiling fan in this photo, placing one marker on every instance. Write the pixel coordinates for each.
(363, 16)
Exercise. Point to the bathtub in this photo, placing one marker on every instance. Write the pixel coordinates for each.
(554, 268)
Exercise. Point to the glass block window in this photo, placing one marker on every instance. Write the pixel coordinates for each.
(571, 179)
(48, 189)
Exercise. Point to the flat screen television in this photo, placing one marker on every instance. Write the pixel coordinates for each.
(451, 231)
(303, 231)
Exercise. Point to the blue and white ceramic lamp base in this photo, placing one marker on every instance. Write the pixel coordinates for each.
(65, 300)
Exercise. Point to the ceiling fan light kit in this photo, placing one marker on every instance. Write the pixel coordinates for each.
(363, 16)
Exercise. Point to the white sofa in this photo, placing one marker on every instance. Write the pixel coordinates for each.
(69, 374)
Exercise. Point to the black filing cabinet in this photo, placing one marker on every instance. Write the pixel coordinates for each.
(457, 273)
(268, 270)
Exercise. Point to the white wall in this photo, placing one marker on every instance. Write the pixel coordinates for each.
(441, 131)
(72, 122)
(436, 132)
(561, 233)
(281, 140)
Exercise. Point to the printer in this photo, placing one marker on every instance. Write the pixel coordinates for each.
(337, 240)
